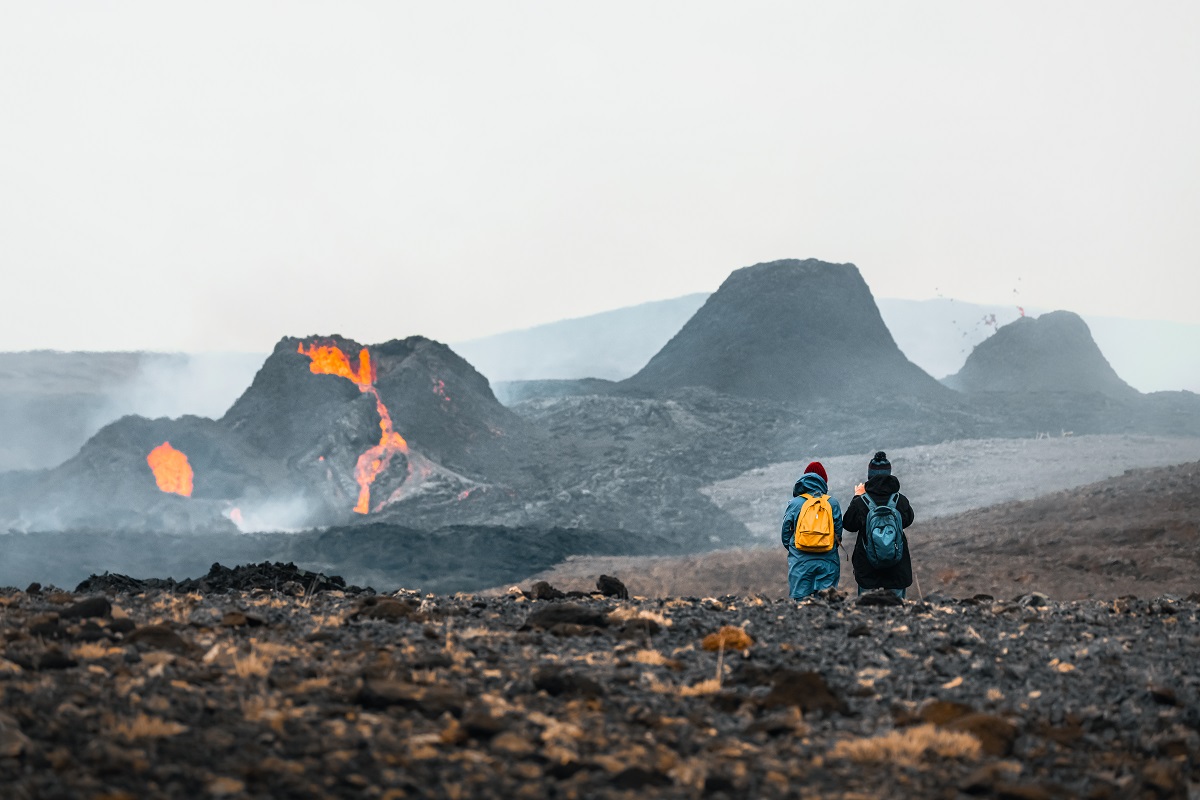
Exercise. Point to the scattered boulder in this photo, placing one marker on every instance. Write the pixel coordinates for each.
(387, 609)
(805, 690)
(995, 734)
(880, 597)
(89, 608)
(612, 587)
(558, 681)
(542, 590)
(565, 614)
(160, 637)
(430, 701)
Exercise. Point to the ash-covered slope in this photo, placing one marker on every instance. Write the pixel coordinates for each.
(1051, 353)
(447, 410)
(788, 330)
(109, 483)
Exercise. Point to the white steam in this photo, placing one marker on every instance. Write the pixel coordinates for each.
(172, 385)
(276, 514)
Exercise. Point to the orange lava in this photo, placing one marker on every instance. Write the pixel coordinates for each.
(330, 360)
(171, 469)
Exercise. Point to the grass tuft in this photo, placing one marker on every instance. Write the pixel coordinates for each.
(144, 726)
(909, 747)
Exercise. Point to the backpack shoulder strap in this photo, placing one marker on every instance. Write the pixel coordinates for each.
(867, 499)
(894, 499)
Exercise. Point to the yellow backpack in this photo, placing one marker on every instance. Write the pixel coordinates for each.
(814, 525)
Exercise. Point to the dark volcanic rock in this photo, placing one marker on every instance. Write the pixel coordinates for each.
(160, 637)
(1008, 707)
(91, 607)
(807, 691)
(431, 701)
(542, 590)
(750, 335)
(244, 577)
(612, 587)
(1051, 353)
(565, 613)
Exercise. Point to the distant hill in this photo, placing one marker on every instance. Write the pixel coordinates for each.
(51, 402)
(1051, 353)
(937, 335)
(1150, 355)
(777, 331)
(611, 345)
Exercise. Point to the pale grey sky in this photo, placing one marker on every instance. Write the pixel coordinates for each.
(213, 176)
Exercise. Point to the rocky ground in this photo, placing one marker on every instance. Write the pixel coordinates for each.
(266, 682)
(951, 478)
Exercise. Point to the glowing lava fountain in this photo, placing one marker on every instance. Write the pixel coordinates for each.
(330, 360)
(171, 469)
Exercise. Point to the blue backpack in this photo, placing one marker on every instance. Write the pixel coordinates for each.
(883, 537)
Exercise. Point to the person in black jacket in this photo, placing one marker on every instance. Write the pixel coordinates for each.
(881, 485)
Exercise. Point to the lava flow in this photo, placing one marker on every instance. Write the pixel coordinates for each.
(171, 469)
(330, 360)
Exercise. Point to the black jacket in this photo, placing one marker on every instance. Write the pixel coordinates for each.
(899, 576)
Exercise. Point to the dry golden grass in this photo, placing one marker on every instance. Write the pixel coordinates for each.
(251, 665)
(270, 710)
(727, 638)
(653, 658)
(710, 686)
(909, 747)
(261, 657)
(424, 676)
(90, 651)
(312, 685)
(323, 621)
(144, 726)
(625, 613)
(478, 632)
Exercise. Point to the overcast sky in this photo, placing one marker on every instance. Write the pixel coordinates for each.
(213, 176)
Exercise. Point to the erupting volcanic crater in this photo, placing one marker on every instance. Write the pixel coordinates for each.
(328, 428)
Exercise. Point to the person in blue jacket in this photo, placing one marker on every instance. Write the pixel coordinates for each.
(811, 572)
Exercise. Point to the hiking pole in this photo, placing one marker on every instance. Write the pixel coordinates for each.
(920, 594)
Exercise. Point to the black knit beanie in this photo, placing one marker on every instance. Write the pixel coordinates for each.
(879, 465)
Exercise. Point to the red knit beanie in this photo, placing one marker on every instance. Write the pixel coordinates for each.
(816, 468)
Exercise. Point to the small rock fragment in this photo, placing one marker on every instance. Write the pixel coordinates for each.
(85, 609)
(542, 590)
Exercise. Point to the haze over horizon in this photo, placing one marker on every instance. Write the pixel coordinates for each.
(210, 178)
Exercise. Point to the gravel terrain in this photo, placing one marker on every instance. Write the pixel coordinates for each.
(1136, 533)
(953, 477)
(272, 692)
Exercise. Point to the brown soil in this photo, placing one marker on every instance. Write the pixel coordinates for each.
(1134, 534)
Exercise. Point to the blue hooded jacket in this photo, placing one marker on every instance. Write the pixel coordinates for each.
(813, 484)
